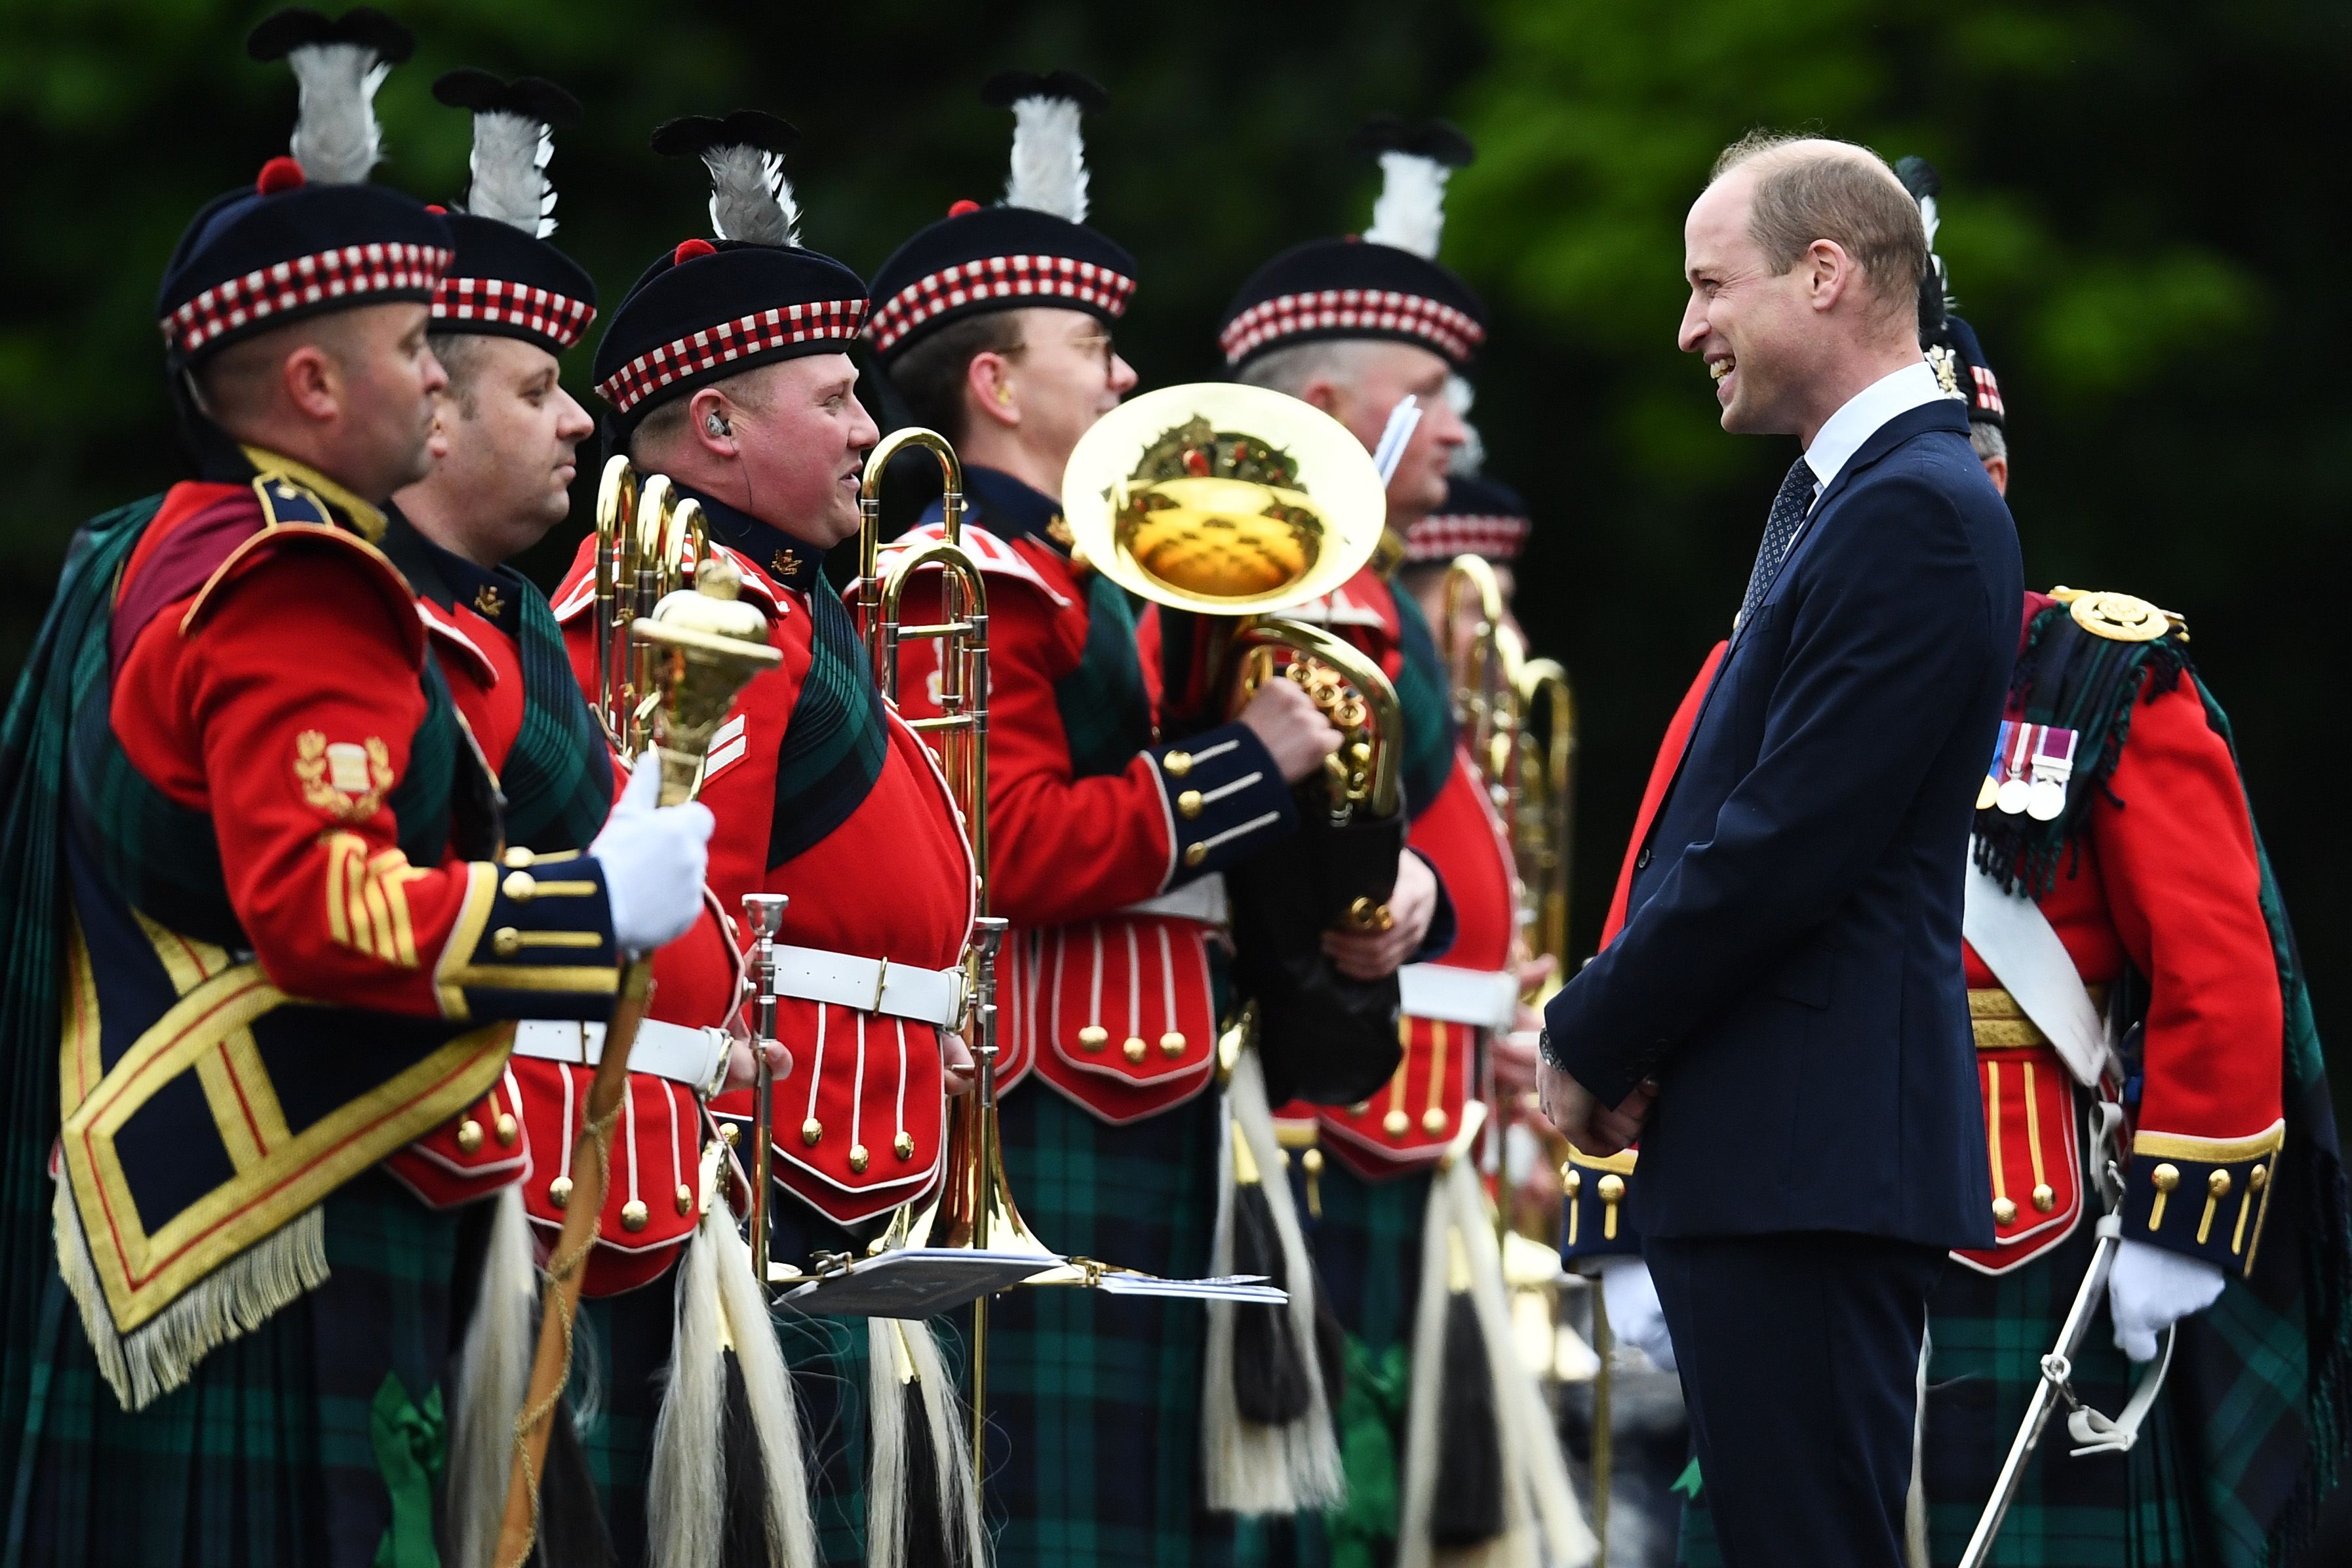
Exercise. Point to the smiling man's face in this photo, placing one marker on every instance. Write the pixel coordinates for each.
(802, 441)
(1751, 325)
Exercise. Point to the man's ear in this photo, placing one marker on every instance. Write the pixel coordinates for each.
(710, 423)
(988, 390)
(1832, 272)
(313, 382)
(1996, 470)
(1322, 394)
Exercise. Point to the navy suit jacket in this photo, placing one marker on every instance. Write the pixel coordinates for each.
(1790, 968)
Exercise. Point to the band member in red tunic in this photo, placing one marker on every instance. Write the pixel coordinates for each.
(727, 368)
(1107, 845)
(288, 942)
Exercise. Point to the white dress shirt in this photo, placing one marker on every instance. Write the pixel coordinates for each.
(1843, 434)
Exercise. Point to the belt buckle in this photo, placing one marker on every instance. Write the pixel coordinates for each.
(881, 978)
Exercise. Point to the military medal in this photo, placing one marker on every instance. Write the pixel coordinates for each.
(2014, 790)
(1990, 787)
(2053, 764)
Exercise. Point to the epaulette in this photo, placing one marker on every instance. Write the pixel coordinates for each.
(2088, 659)
(2119, 618)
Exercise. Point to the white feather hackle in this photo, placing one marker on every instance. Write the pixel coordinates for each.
(1929, 219)
(509, 172)
(1411, 211)
(336, 138)
(750, 200)
(1049, 158)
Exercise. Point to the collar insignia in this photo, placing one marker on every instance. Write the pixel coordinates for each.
(488, 602)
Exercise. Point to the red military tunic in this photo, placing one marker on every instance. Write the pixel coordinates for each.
(1104, 846)
(292, 758)
(2163, 880)
(300, 766)
(864, 839)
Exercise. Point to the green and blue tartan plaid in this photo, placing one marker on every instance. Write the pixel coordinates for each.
(1094, 1401)
(268, 1457)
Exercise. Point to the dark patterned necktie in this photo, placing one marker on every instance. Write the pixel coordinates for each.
(1788, 508)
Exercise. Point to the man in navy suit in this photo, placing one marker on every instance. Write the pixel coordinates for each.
(1782, 1021)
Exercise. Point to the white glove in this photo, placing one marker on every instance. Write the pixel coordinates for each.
(2153, 1288)
(654, 858)
(1631, 1299)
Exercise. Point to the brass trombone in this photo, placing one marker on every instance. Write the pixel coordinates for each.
(649, 544)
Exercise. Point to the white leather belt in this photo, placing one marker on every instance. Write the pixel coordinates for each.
(1203, 901)
(870, 985)
(1486, 998)
(696, 1058)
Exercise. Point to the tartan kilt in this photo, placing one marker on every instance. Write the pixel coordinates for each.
(631, 1335)
(1987, 1336)
(1367, 1247)
(266, 1457)
(1094, 1402)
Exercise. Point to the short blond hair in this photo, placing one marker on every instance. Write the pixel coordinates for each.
(1812, 188)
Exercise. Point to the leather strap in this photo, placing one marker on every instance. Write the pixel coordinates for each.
(932, 996)
(695, 1058)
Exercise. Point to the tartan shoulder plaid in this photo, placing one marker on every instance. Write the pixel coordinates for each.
(557, 780)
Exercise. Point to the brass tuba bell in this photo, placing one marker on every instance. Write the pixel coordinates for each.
(1236, 502)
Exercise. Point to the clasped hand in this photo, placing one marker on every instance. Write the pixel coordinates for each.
(1595, 1129)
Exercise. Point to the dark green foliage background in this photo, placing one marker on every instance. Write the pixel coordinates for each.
(2147, 245)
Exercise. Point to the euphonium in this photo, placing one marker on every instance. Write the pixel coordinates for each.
(649, 543)
(1235, 503)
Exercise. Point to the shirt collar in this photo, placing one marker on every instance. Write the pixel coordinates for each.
(1863, 416)
(1014, 508)
(366, 518)
(790, 560)
(445, 577)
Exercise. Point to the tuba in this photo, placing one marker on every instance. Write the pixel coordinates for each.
(1226, 506)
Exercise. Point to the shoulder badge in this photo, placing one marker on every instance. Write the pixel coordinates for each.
(2119, 618)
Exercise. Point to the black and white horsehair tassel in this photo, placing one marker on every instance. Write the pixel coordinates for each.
(1461, 1336)
(514, 137)
(1049, 147)
(1268, 1444)
(728, 1436)
(337, 63)
(1416, 161)
(922, 1509)
(750, 200)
